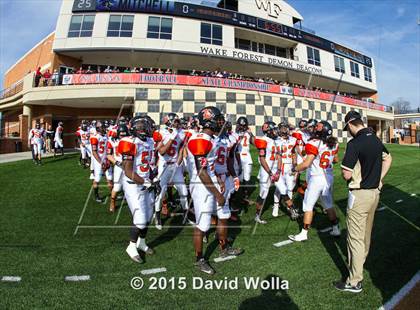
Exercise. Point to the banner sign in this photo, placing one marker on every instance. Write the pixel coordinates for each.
(300, 92)
(187, 80)
(201, 12)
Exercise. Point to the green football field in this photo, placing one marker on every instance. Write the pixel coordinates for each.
(41, 208)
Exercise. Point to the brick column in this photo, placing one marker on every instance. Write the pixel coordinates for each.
(24, 131)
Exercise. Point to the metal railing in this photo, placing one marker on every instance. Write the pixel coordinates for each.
(12, 90)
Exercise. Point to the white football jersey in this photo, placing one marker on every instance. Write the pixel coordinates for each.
(140, 151)
(172, 153)
(224, 144)
(37, 135)
(244, 142)
(202, 145)
(99, 141)
(112, 148)
(287, 147)
(324, 156)
(84, 136)
(270, 149)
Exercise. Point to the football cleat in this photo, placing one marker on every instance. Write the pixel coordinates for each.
(299, 237)
(335, 232)
(275, 210)
(259, 220)
(205, 239)
(133, 253)
(144, 248)
(230, 251)
(204, 266)
(158, 221)
(294, 214)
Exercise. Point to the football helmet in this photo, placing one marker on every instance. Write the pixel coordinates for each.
(303, 123)
(311, 123)
(100, 127)
(122, 131)
(37, 125)
(141, 127)
(284, 129)
(242, 124)
(270, 129)
(112, 122)
(84, 126)
(323, 130)
(208, 118)
(60, 123)
(171, 120)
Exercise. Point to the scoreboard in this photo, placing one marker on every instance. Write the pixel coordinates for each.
(223, 16)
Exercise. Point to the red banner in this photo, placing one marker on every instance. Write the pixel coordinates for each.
(173, 79)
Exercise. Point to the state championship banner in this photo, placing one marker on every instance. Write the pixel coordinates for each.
(173, 79)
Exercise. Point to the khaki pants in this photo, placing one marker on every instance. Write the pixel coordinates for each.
(360, 213)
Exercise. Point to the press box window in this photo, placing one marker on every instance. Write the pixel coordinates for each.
(81, 26)
(354, 68)
(120, 26)
(313, 56)
(339, 64)
(159, 28)
(368, 74)
(211, 34)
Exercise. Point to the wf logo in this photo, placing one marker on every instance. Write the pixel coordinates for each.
(272, 9)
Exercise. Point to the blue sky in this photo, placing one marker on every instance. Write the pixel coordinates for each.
(386, 30)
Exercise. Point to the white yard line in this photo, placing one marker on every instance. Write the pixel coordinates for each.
(11, 279)
(119, 212)
(399, 201)
(401, 217)
(282, 243)
(222, 259)
(83, 211)
(153, 270)
(77, 278)
(390, 304)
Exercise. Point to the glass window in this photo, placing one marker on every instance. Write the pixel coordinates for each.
(244, 44)
(313, 56)
(270, 49)
(120, 26)
(354, 68)
(81, 26)
(159, 28)
(212, 34)
(368, 74)
(281, 52)
(339, 64)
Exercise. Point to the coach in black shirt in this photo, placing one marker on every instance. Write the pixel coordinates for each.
(365, 164)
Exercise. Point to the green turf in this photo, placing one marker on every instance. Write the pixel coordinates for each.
(40, 209)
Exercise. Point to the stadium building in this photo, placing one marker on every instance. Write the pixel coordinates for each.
(250, 58)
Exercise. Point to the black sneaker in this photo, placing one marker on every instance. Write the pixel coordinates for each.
(344, 287)
(204, 266)
(230, 251)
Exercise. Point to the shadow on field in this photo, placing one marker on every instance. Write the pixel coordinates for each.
(393, 257)
(269, 299)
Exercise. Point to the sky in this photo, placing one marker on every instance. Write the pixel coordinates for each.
(386, 30)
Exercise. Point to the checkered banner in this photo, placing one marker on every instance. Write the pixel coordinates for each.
(257, 107)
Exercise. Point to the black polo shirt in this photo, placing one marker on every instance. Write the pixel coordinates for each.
(364, 155)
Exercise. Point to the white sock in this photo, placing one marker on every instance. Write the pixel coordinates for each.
(141, 244)
(304, 232)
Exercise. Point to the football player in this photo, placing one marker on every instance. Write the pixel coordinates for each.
(99, 161)
(286, 182)
(207, 195)
(321, 152)
(169, 166)
(116, 160)
(137, 152)
(225, 161)
(58, 139)
(246, 138)
(37, 139)
(269, 154)
(83, 141)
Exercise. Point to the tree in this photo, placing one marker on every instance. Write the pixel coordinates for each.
(401, 106)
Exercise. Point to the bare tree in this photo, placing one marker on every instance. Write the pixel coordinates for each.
(401, 106)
